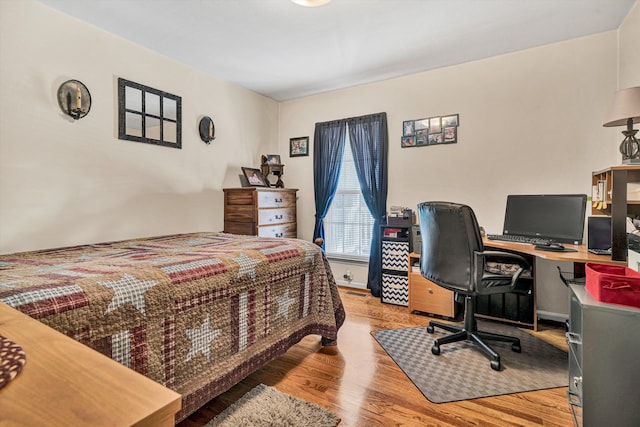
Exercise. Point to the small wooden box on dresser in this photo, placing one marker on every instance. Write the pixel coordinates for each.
(426, 296)
(260, 211)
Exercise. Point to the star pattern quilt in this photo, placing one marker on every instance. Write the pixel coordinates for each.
(195, 312)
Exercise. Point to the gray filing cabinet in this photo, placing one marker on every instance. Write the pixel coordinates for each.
(604, 361)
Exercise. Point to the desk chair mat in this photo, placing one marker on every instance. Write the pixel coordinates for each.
(462, 372)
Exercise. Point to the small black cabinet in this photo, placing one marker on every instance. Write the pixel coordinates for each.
(395, 248)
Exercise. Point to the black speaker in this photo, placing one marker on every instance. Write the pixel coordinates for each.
(416, 240)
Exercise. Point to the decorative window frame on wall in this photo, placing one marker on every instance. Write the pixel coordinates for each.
(149, 115)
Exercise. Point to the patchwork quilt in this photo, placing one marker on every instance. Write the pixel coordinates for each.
(195, 312)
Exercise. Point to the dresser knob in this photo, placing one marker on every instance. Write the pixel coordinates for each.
(430, 290)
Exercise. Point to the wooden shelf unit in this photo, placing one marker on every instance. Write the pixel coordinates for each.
(617, 204)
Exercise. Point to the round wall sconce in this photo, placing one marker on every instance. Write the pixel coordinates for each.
(207, 129)
(74, 99)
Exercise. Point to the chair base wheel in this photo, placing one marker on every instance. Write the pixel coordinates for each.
(430, 329)
(435, 349)
(495, 365)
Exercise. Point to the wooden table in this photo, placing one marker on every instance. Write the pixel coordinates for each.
(65, 383)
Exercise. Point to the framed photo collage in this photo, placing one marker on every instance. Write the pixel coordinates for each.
(430, 131)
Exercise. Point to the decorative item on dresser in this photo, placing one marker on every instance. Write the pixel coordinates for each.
(258, 211)
(271, 165)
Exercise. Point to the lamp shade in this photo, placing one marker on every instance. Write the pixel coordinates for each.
(626, 105)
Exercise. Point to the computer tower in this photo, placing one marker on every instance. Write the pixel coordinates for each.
(416, 240)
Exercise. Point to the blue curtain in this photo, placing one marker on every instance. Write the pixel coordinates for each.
(328, 147)
(370, 147)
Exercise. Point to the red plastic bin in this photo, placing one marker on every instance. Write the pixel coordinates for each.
(613, 284)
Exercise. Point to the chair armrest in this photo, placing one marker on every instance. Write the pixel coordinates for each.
(507, 257)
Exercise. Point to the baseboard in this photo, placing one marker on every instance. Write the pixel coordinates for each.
(354, 285)
(556, 317)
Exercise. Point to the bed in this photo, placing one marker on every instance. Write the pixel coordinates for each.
(195, 312)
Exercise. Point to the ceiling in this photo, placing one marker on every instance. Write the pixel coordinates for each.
(286, 51)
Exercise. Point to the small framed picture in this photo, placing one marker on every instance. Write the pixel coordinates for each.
(299, 146)
(434, 125)
(254, 177)
(422, 137)
(408, 128)
(450, 134)
(435, 138)
(408, 141)
(273, 159)
(451, 120)
(421, 124)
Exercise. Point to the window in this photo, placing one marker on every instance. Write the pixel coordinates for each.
(348, 224)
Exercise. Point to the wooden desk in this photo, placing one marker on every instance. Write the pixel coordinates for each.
(578, 258)
(581, 256)
(65, 383)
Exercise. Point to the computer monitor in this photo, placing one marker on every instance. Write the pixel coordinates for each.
(556, 217)
(599, 232)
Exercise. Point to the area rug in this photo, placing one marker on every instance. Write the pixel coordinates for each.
(462, 372)
(265, 406)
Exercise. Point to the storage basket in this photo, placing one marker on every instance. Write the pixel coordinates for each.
(613, 284)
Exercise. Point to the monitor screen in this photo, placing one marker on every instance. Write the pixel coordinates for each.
(599, 232)
(557, 217)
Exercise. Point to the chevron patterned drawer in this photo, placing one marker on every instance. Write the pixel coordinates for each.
(395, 255)
(395, 289)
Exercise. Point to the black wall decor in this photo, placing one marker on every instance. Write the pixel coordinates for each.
(74, 99)
(207, 129)
(149, 115)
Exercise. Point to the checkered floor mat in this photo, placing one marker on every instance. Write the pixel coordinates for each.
(462, 372)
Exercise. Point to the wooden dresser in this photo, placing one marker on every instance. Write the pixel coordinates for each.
(260, 211)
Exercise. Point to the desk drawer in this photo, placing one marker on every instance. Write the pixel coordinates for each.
(428, 297)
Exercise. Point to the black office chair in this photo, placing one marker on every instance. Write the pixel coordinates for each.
(454, 258)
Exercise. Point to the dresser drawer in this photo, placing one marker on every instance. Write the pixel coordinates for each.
(276, 199)
(276, 216)
(247, 228)
(428, 297)
(285, 230)
(240, 213)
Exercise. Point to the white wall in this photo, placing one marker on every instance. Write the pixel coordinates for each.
(629, 72)
(64, 182)
(530, 122)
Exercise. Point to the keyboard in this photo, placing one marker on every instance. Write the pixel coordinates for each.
(518, 239)
(600, 251)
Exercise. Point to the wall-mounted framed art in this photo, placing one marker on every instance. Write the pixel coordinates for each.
(437, 130)
(299, 146)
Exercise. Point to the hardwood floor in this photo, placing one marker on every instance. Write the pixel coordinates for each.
(358, 381)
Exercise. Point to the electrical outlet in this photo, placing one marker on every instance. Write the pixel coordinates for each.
(347, 276)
